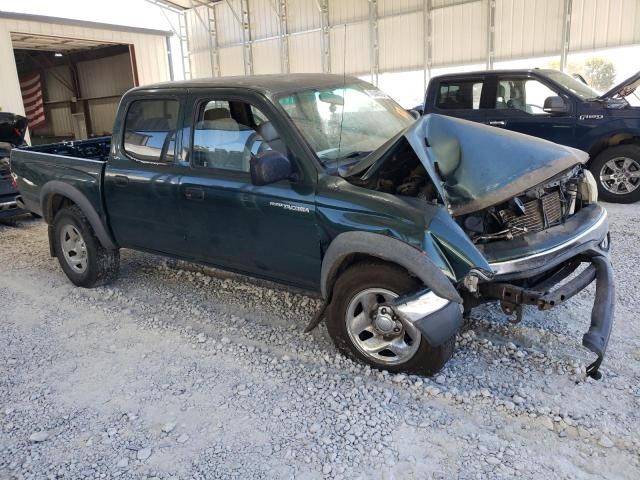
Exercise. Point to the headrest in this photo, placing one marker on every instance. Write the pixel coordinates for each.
(268, 132)
(216, 114)
(225, 124)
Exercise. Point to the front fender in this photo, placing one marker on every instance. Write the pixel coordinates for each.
(389, 249)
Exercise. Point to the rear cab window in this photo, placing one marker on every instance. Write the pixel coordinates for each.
(150, 130)
(459, 94)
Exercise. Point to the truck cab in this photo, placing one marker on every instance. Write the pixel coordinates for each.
(555, 106)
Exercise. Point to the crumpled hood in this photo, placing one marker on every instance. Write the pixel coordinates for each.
(12, 128)
(475, 166)
(623, 89)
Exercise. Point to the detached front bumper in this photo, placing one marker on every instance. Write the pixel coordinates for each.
(437, 318)
(533, 279)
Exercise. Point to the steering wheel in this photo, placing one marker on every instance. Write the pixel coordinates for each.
(248, 148)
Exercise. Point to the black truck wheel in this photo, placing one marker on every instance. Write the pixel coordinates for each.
(354, 329)
(81, 255)
(617, 172)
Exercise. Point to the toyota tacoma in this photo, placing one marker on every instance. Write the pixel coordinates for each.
(325, 183)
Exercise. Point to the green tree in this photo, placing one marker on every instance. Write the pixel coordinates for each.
(600, 73)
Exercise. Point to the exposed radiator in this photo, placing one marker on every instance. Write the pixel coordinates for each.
(538, 215)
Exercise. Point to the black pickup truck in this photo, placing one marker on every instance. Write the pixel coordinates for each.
(555, 106)
(12, 131)
(327, 184)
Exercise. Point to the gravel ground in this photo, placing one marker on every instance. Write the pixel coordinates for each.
(176, 371)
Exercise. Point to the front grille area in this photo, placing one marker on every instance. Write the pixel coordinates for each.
(539, 214)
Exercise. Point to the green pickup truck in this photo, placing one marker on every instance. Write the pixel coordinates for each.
(325, 183)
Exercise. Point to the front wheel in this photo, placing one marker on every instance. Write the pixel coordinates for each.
(366, 333)
(617, 172)
(81, 255)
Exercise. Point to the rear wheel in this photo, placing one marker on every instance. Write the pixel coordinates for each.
(617, 171)
(378, 340)
(81, 255)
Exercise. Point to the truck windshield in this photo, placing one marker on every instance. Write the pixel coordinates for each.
(345, 123)
(585, 92)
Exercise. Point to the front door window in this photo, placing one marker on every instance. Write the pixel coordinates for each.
(228, 134)
(524, 94)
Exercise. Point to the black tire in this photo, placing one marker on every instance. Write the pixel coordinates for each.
(102, 265)
(34, 215)
(427, 360)
(597, 165)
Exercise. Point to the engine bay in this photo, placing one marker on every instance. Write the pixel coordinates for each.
(536, 209)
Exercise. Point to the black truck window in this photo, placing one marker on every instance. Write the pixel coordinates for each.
(525, 94)
(459, 95)
(150, 129)
(228, 133)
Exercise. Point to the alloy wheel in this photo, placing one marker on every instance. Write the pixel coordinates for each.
(74, 248)
(620, 175)
(375, 331)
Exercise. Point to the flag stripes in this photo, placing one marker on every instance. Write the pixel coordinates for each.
(31, 88)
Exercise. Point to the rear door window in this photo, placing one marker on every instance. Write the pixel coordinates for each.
(459, 95)
(150, 130)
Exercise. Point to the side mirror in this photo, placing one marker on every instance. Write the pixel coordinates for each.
(270, 167)
(555, 104)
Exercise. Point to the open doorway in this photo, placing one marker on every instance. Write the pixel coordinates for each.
(71, 87)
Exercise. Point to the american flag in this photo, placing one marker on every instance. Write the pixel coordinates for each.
(31, 88)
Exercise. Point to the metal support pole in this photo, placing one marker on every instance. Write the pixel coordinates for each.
(428, 39)
(491, 33)
(284, 41)
(243, 20)
(205, 25)
(213, 36)
(323, 6)
(566, 33)
(184, 44)
(374, 50)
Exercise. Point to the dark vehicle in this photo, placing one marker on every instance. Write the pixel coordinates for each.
(552, 105)
(12, 130)
(328, 185)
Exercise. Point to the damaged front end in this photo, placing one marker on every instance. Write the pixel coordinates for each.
(527, 209)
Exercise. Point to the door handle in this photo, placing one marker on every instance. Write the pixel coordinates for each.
(121, 180)
(497, 123)
(193, 193)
